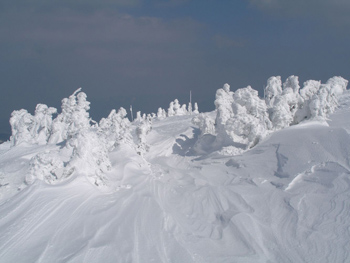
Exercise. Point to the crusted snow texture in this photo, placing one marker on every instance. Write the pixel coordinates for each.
(46, 167)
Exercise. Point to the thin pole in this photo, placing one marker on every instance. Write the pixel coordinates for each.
(132, 116)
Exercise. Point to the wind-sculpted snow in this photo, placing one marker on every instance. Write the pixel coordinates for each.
(243, 119)
(287, 199)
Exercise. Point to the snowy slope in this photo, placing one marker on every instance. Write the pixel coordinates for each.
(285, 200)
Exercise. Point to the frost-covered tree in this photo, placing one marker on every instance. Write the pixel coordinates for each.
(196, 110)
(161, 113)
(273, 90)
(42, 123)
(283, 105)
(46, 167)
(171, 111)
(206, 139)
(22, 124)
(189, 107)
(326, 100)
(176, 107)
(280, 114)
(310, 88)
(224, 112)
(139, 117)
(249, 123)
(89, 156)
(205, 124)
(182, 110)
(73, 118)
(141, 131)
(291, 92)
(115, 128)
(31, 129)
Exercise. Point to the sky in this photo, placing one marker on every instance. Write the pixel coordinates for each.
(146, 53)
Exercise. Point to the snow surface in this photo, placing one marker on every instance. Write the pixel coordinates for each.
(285, 200)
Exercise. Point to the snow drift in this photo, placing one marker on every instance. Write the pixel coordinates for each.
(257, 180)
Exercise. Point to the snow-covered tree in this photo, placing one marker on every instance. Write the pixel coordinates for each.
(176, 107)
(161, 113)
(280, 114)
(90, 156)
(205, 124)
(196, 110)
(310, 88)
(283, 105)
(141, 131)
(31, 129)
(22, 124)
(223, 103)
(273, 89)
(42, 123)
(138, 116)
(249, 123)
(171, 111)
(46, 167)
(73, 118)
(326, 100)
(115, 128)
(189, 107)
(182, 110)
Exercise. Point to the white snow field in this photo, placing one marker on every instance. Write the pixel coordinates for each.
(285, 200)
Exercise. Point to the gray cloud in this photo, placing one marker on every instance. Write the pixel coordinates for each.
(335, 12)
(222, 41)
(47, 55)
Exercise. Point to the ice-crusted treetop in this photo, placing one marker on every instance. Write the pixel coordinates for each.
(32, 129)
(115, 129)
(292, 82)
(325, 101)
(223, 102)
(73, 118)
(310, 88)
(337, 85)
(272, 90)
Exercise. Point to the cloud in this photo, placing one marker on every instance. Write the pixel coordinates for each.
(226, 42)
(76, 3)
(335, 12)
(105, 31)
(170, 3)
(47, 55)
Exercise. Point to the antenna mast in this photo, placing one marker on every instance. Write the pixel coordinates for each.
(191, 97)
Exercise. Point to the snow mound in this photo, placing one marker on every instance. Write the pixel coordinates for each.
(287, 199)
